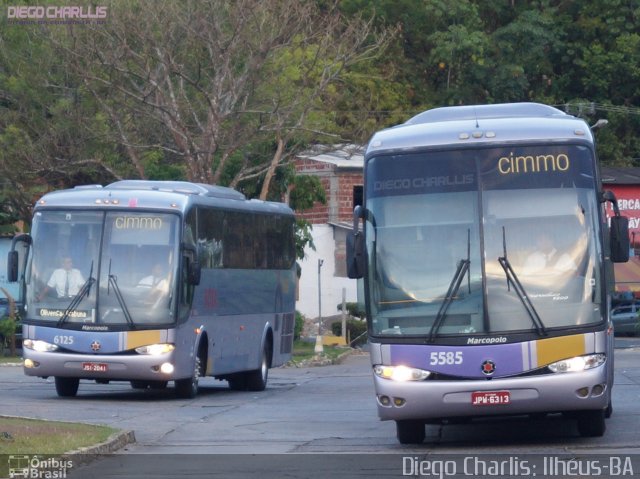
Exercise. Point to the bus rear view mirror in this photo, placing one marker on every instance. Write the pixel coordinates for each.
(619, 239)
(12, 266)
(355, 255)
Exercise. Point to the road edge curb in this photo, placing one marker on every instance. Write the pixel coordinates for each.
(117, 440)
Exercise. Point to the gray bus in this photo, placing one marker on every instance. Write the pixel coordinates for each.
(152, 281)
(487, 267)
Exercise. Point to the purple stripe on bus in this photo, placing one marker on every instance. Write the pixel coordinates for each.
(462, 361)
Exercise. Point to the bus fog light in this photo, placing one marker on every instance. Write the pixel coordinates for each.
(399, 402)
(597, 390)
(579, 363)
(384, 400)
(30, 363)
(583, 392)
(166, 368)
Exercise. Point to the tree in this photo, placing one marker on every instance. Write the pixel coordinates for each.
(50, 136)
(215, 76)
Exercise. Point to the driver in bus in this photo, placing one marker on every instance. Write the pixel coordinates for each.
(66, 281)
(157, 283)
(547, 259)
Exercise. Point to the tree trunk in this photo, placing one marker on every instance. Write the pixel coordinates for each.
(275, 161)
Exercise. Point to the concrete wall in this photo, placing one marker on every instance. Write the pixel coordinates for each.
(323, 237)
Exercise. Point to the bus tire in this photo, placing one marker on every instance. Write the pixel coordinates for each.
(591, 423)
(257, 380)
(67, 387)
(410, 432)
(188, 388)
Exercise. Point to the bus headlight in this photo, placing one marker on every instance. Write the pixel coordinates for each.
(579, 363)
(37, 345)
(155, 349)
(401, 373)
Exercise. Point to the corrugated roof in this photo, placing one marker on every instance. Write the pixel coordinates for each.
(620, 175)
(342, 156)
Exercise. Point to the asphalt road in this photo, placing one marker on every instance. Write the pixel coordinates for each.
(315, 422)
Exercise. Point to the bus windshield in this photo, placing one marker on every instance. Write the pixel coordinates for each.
(104, 268)
(482, 241)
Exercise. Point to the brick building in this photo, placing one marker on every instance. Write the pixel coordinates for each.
(340, 172)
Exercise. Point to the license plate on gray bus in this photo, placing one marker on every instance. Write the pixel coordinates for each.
(490, 398)
(95, 367)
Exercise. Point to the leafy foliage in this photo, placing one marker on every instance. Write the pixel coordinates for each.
(229, 92)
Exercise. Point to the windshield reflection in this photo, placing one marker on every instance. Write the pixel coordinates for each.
(105, 268)
(537, 233)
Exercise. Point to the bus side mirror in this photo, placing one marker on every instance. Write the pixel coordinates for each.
(355, 247)
(12, 266)
(619, 239)
(355, 255)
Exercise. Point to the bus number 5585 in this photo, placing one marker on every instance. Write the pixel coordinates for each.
(440, 358)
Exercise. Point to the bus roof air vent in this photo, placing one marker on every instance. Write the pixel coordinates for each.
(478, 112)
(182, 187)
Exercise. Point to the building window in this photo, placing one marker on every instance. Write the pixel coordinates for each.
(358, 195)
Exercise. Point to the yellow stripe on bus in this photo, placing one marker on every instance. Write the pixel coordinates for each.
(555, 349)
(143, 338)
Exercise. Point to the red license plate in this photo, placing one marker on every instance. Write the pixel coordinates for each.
(490, 398)
(95, 367)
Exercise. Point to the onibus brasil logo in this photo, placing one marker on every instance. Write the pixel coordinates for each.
(34, 467)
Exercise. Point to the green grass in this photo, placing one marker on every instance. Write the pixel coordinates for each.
(21, 436)
(303, 350)
(10, 359)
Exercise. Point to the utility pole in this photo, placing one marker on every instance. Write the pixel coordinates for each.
(319, 348)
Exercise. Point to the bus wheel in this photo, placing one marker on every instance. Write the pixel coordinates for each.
(410, 432)
(67, 387)
(257, 380)
(591, 423)
(188, 388)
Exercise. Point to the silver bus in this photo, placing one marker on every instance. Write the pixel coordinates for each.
(152, 281)
(487, 267)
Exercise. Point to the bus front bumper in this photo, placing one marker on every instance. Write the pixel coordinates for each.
(435, 400)
(86, 366)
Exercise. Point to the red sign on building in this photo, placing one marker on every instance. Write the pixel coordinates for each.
(625, 184)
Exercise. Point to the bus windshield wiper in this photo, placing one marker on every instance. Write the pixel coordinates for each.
(454, 286)
(512, 279)
(114, 282)
(84, 290)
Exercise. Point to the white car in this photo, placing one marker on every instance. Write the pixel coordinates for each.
(625, 319)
